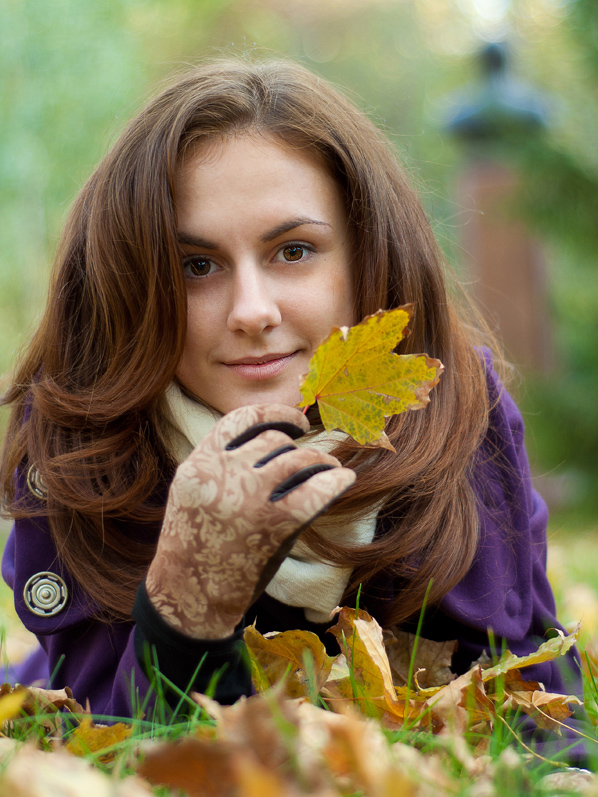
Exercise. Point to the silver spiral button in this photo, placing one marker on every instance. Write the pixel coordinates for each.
(35, 484)
(45, 594)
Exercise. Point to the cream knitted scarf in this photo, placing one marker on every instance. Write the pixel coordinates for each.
(302, 579)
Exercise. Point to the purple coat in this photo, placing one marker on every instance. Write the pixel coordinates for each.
(505, 590)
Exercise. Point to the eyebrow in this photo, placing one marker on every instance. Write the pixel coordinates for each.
(287, 226)
(280, 229)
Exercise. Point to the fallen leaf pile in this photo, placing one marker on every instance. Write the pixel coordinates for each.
(364, 677)
(386, 717)
(357, 380)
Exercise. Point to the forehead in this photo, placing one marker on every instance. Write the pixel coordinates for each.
(253, 172)
(209, 149)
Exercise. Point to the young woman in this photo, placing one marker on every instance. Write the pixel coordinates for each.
(157, 470)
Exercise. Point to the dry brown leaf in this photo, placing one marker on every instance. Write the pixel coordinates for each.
(45, 705)
(200, 768)
(480, 709)
(35, 773)
(92, 738)
(426, 770)
(40, 701)
(275, 655)
(355, 751)
(255, 780)
(547, 710)
(360, 639)
(432, 660)
(258, 746)
(7, 748)
(254, 723)
(548, 651)
(274, 729)
(461, 704)
(340, 668)
(369, 684)
(445, 707)
(212, 708)
(49, 700)
(577, 781)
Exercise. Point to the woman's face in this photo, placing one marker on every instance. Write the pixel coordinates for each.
(264, 241)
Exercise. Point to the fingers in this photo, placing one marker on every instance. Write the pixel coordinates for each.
(298, 478)
(245, 423)
(284, 449)
(311, 498)
(285, 467)
(292, 430)
(303, 503)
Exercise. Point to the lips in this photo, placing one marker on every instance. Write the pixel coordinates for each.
(264, 358)
(265, 366)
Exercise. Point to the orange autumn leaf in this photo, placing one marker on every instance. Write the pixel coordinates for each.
(92, 738)
(357, 380)
(199, 768)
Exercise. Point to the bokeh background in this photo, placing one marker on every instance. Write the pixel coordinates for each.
(503, 149)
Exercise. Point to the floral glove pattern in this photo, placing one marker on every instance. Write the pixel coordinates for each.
(236, 506)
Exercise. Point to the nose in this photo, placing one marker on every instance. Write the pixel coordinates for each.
(254, 307)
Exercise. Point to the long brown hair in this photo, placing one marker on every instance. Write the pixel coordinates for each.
(88, 394)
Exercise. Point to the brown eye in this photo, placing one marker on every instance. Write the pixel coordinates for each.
(197, 266)
(293, 253)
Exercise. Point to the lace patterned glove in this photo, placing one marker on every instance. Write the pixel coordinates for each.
(235, 508)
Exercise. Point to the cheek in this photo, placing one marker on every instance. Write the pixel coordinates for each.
(331, 306)
(341, 298)
(200, 326)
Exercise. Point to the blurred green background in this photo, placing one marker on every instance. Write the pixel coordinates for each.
(72, 73)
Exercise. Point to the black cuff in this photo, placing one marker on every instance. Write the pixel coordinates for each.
(190, 664)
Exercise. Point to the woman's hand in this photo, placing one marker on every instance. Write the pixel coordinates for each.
(235, 507)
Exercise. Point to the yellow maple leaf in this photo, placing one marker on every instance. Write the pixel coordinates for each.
(358, 381)
(274, 656)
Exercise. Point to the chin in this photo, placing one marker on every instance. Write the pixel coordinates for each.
(289, 399)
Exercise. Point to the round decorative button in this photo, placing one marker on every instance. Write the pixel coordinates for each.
(45, 594)
(35, 483)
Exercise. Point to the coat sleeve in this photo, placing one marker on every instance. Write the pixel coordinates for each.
(95, 659)
(506, 593)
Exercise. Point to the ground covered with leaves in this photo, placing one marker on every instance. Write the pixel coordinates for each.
(384, 717)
